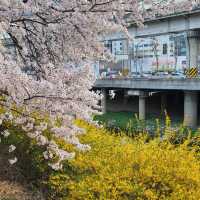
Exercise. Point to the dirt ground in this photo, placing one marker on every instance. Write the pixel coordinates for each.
(13, 185)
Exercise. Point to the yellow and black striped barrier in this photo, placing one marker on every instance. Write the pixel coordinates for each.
(191, 72)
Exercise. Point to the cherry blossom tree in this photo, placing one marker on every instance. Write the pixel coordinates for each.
(48, 68)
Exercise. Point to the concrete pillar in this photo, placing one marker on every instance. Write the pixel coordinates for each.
(190, 108)
(193, 47)
(104, 101)
(193, 42)
(163, 103)
(142, 106)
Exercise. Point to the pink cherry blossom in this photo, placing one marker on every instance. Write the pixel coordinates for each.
(48, 68)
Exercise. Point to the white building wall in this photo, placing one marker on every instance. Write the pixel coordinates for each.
(142, 58)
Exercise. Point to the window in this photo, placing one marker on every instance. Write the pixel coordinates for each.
(179, 46)
(164, 49)
(108, 45)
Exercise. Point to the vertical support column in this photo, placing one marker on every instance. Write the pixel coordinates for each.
(193, 42)
(163, 103)
(190, 108)
(142, 106)
(104, 101)
(193, 48)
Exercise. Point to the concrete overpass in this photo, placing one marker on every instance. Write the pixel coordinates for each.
(149, 84)
(188, 22)
(174, 23)
(142, 87)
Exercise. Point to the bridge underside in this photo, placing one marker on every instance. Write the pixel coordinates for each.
(145, 88)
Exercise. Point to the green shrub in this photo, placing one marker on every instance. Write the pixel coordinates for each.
(29, 154)
(117, 167)
(122, 168)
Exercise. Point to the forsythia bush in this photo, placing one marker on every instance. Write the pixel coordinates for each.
(117, 167)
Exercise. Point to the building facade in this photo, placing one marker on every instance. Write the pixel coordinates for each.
(147, 55)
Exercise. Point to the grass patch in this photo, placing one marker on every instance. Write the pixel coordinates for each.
(120, 119)
(123, 120)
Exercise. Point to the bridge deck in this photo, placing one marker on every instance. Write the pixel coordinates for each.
(149, 84)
